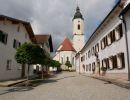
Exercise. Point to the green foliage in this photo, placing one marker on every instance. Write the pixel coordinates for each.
(103, 68)
(68, 64)
(29, 53)
(54, 63)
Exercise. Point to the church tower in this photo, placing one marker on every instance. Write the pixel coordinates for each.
(78, 30)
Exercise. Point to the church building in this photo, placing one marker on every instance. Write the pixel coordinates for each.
(68, 48)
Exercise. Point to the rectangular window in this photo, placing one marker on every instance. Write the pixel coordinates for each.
(89, 67)
(104, 63)
(109, 38)
(3, 37)
(8, 66)
(93, 50)
(103, 43)
(118, 32)
(16, 44)
(86, 68)
(97, 48)
(93, 66)
(89, 54)
(111, 63)
(113, 36)
(120, 61)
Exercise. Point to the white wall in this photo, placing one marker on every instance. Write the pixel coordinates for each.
(78, 34)
(7, 52)
(64, 55)
(113, 49)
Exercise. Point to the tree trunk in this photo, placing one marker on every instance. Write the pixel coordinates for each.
(28, 75)
(42, 71)
(23, 71)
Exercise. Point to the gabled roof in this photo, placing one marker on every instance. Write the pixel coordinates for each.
(67, 46)
(125, 10)
(45, 39)
(26, 24)
(42, 38)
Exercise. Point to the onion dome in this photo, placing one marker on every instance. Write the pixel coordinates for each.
(78, 14)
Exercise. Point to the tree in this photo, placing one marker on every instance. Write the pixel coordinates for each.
(54, 63)
(68, 64)
(29, 53)
(44, 62)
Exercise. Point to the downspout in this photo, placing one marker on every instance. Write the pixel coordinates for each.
(127, 47)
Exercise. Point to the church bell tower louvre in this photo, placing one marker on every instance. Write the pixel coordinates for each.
(78, 30)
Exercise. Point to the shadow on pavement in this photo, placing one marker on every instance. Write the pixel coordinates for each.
(65, 77)
(16, 89)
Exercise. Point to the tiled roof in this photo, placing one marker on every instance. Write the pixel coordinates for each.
(45, 39)
(42, 38)
(26, 24)
(67, 46)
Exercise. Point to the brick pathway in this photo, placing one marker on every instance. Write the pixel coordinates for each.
(67, 86)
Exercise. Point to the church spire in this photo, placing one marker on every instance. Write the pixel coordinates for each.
(78, 13)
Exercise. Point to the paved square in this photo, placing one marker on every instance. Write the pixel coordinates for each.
(67, 86)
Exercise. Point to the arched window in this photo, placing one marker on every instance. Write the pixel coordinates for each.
(67, 58)
(62, 61)
(78, 27)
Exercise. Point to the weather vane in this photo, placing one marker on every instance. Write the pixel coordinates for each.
(77, 2)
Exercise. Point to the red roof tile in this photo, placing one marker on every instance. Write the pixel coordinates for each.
(67, 46)
(42, 38)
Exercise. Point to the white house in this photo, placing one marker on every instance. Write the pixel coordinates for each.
(13, 33)
(68, 48)
(106, 47)
(45, 42)
(65, 52)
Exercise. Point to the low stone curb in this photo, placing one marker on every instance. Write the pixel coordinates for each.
(6, 84)
(121, 83)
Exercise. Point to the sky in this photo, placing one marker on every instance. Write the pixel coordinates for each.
(55, 16)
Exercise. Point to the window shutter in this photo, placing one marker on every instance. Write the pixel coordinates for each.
(101, 44)
(113, 35)
(106, 42)
(107, 60)
(121, 31)
(14, 44)
(114, 61)
(98, 47)
(123, 60)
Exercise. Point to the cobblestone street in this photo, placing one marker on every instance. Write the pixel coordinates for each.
(67, 86)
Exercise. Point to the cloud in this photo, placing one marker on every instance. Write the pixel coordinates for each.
(55, 17)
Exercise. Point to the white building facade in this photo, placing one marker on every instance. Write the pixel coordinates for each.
(13, 33)
(106, 47)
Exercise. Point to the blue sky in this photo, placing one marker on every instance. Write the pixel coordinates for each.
(55, 16)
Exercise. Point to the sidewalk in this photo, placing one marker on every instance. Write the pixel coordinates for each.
(117, 79)
(11, 82)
